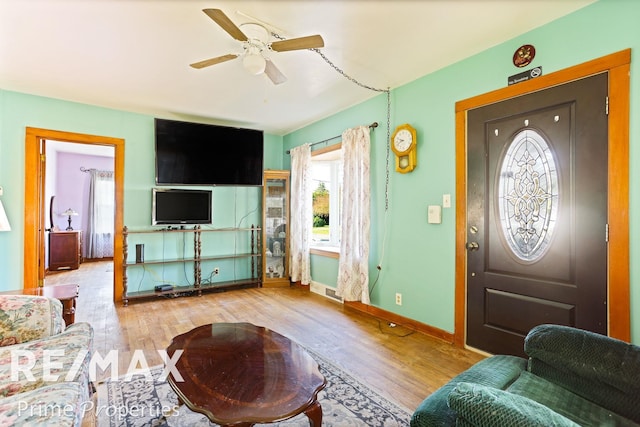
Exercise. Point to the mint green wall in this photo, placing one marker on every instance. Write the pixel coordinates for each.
(325, 269)
(232, 205)
(419, 257)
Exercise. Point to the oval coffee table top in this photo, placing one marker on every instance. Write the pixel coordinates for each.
(242, 373)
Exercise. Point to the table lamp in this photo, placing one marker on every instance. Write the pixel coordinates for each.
(4, 221)
(70, 212)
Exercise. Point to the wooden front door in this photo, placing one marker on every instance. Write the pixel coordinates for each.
(537, 214)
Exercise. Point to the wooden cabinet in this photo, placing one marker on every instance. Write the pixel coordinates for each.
(275, 228)
(65, 250)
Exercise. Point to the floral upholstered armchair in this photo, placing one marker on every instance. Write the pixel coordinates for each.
(32, 334)
(25, 319)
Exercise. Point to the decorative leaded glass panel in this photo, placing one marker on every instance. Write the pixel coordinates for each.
(528, 195)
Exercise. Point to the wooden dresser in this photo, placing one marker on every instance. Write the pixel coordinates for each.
(65, 250)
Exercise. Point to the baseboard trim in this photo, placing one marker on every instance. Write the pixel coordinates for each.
(400, 320)
(387, 316)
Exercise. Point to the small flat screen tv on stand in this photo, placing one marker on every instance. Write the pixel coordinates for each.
(173, 206)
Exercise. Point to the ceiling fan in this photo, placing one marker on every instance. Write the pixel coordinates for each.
(255, 40)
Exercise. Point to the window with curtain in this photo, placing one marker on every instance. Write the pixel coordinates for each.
(346, 174)
(326, 183)
(101, 210)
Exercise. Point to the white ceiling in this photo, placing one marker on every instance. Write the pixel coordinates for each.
(134, 55)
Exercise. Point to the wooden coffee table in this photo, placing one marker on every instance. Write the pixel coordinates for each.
(239, 374)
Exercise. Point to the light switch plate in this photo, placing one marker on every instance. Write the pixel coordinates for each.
(434, 214)
(446, 200)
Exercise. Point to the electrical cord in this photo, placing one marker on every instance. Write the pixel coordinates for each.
(411, 332)
(144, 270)
(184, 264)
(375, 282)
(163, 239)
(387, 91)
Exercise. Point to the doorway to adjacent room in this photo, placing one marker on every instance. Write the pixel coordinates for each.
(35, 201)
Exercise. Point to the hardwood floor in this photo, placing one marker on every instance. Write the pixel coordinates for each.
(400, 364)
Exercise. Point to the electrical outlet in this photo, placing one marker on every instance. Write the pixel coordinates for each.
(216, 271)
(399, 299)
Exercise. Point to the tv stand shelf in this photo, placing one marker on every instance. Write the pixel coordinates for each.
(198, 286)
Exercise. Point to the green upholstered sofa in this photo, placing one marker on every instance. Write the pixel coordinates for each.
(572, 377)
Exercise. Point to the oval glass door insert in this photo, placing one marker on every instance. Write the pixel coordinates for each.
(528, 195)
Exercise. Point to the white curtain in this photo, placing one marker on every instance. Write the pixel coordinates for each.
(301, 214)
(353, 268)
(101, 213)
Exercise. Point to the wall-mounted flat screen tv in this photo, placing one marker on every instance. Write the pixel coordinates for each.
(200, 154)
(174, 206)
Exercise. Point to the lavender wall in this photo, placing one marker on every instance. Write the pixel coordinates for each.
(72, 188)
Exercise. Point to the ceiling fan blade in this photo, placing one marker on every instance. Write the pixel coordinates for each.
(309, 42)
(274, 74)
(214, 61)
(227, 24)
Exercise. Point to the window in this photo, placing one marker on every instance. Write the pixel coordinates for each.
(326, 188)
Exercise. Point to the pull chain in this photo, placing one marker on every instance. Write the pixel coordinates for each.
(387, 91)
(386, 184)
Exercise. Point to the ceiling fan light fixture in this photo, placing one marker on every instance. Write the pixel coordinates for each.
(254, 63)
(256, 41)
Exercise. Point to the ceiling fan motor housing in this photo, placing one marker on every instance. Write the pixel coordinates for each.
(257, 34)
(258, 37)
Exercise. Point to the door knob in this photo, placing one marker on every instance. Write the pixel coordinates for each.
(473, 246)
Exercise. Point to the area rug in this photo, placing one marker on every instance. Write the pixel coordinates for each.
(345, 402)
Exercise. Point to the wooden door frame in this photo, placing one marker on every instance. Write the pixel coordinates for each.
(618, 285)
(34, 202)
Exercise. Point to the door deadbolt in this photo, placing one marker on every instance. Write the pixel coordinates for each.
(473, 246)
